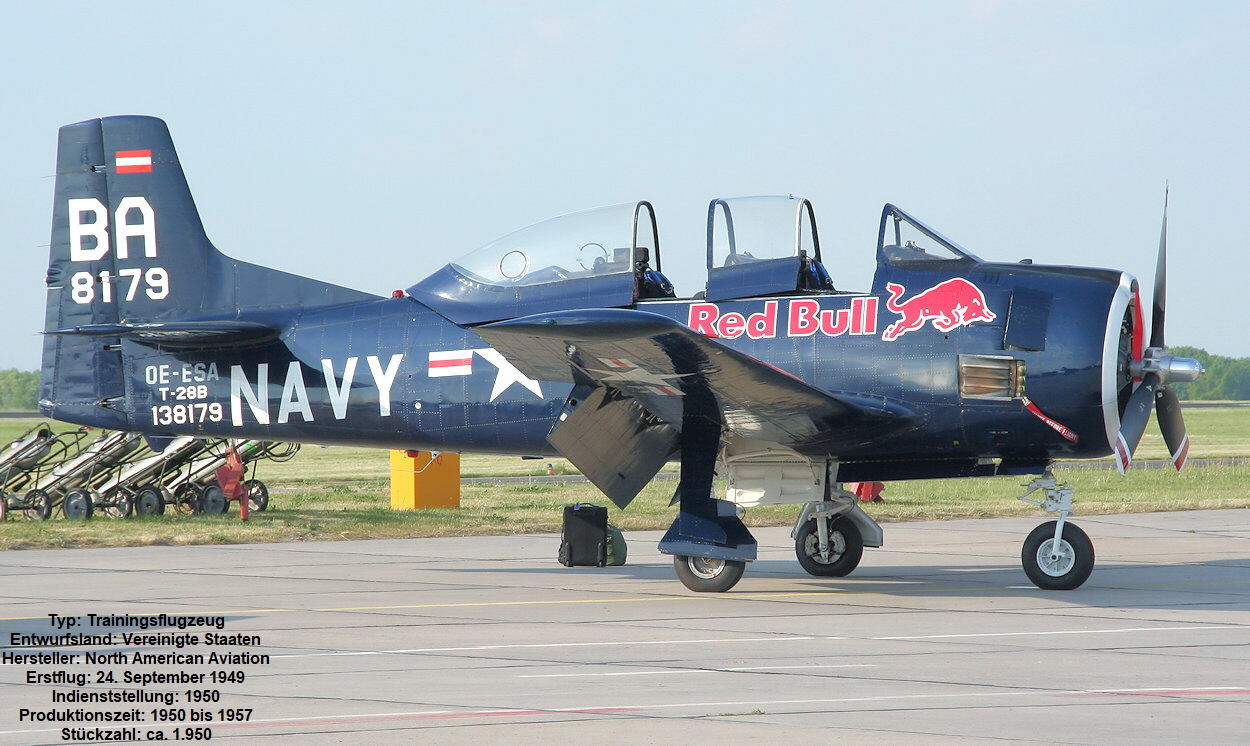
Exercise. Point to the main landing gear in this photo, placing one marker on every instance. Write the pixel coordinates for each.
(709, 543)
(711, 546)
(830, 535)
(1057, 556)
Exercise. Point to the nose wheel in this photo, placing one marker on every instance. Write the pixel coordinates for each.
(1057, 565)
(1057, 556)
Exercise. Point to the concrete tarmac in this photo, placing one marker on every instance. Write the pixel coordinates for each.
(936, 638)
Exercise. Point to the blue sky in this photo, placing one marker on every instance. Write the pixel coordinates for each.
(368, 143)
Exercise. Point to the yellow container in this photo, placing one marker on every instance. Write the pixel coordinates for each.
(420, 479)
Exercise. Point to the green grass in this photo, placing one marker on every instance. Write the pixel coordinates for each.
(1214, 433)
(343, 493)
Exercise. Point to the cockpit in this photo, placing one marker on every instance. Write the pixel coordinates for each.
(763, 246)
(606, 257)
(609, 257)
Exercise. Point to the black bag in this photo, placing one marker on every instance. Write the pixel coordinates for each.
(584, 540)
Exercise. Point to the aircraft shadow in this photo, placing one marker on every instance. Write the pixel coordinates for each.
(1225, 581)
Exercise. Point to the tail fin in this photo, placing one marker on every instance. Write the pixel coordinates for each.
(130, 259)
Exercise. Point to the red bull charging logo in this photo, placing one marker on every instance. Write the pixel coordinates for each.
(948, 305)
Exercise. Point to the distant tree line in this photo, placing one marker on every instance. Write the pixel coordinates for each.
(19, 389)
(1227, 378)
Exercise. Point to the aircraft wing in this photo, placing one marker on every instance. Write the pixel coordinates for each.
(654, 372)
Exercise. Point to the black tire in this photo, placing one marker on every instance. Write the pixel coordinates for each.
(77, 504)
(257, 495)
(37, 505)
(212, 500)
(704, 575)
(120, 505)
(150, 500)
(1064, 572)
(846, 548)
(187, 498)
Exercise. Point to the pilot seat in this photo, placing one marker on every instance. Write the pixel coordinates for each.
(651, 283)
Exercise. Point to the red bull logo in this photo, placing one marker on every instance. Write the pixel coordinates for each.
(949, 305)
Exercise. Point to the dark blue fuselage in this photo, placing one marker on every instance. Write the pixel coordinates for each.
(394, 373)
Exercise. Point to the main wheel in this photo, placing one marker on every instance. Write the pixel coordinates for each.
(77, 504)
(212, 500)
(1059, 568)
(37, 505)
(846, 548)
(150, 501)
(704, 575)
(257, 495)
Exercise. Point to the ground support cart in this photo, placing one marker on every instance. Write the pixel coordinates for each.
(24, 463)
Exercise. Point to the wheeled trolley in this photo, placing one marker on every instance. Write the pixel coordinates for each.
(23, 464)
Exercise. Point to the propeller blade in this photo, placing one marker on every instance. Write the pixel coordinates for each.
(1161, 281)
(1168, 412)
(1133, 423)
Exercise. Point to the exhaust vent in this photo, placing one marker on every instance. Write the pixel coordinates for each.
(991, 377)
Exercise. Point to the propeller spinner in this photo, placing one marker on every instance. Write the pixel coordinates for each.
(1157, 368)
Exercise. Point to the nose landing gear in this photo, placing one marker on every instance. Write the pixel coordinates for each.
(1057, 556)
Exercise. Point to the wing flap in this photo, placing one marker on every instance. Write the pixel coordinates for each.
(613, 441)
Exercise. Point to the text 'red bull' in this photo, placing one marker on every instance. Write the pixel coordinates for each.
(803, 318)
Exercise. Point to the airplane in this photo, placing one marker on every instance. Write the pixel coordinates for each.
(566, 339)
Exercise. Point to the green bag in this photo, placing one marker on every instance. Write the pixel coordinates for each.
(616, 546)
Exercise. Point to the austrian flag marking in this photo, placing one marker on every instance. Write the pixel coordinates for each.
(133, 161)
(453, 363)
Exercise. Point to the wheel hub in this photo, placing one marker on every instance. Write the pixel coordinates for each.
(837, 547)
(706, 567)
(1055, 561)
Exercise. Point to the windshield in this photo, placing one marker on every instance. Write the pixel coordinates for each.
(902, 238)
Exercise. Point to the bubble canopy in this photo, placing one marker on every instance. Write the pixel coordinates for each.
(579, 260)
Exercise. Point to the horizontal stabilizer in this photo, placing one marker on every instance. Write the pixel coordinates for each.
(177, 334)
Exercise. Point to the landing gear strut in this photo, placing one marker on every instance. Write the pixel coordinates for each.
(1057, 556)
(709, 543)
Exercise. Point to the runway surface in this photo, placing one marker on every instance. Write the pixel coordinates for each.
(936, 638)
